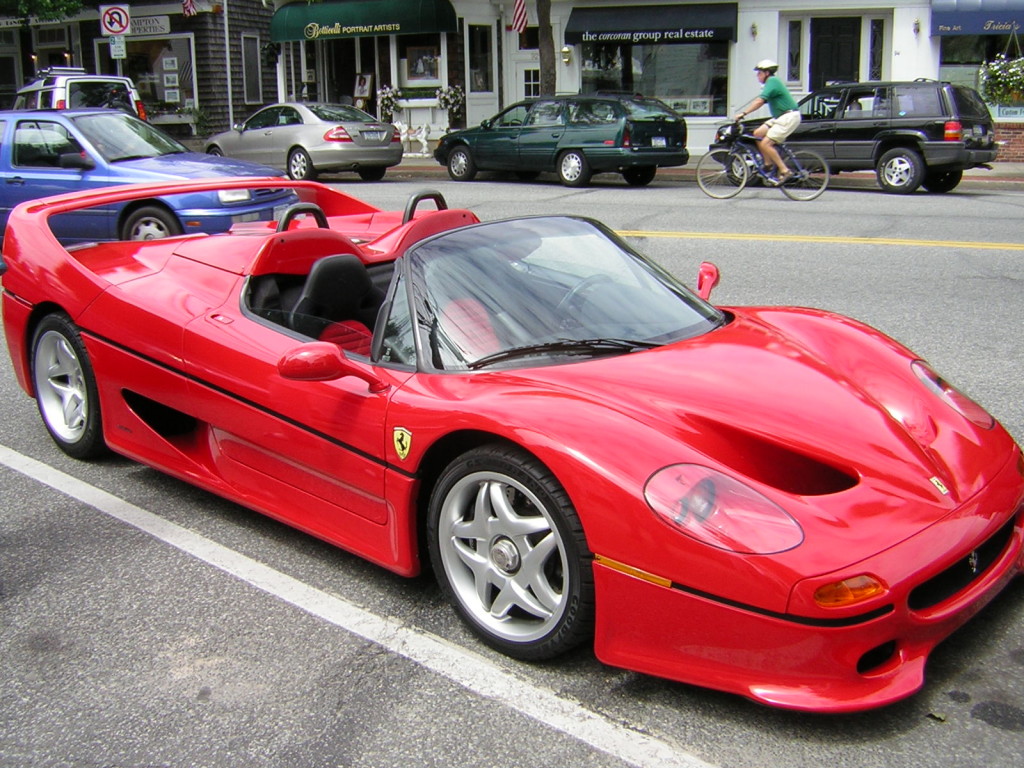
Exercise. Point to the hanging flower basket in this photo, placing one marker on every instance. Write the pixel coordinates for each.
(1002, 81)
(452, 99)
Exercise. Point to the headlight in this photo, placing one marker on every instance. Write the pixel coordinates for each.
(952, 396)
(718, 510)
(227, 196)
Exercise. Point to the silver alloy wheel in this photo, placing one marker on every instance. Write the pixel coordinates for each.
(572, 167)
(149, 228)
(299, 165)
(898, 171)
(503, 556)
(458, 163)
(61, 387)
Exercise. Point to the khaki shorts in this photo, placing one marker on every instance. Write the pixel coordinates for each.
(779, 128)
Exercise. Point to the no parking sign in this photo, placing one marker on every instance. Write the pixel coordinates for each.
(115, 19)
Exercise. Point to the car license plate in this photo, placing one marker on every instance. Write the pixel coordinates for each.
(373, 135)
(658, 141)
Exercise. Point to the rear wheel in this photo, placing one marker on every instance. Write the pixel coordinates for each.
(722, 174)
(300, 166)
(640, 176)
(573, 169)
(810, 176)
(942, 181)
(900, 171)
(150, 222)
(65, 388)
(509, 552)
(376, 173)
(215, 151)
(460, 165)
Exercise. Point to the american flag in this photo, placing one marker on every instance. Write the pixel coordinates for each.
(519, 17)
(188, 7)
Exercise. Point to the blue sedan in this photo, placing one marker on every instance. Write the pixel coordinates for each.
(45, 153)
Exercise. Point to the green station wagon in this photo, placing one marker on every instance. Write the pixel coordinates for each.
(573, 136)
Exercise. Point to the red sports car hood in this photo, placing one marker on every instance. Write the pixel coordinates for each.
(820, 412)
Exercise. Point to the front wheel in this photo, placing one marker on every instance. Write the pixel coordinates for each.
(460, 165)
(65, 388)
(509, 552)
(810, 175)
(151, 222)
(722, 174)
(573, 169)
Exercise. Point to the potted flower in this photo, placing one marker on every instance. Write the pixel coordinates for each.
(387, 101)
(1002, 81)
(452, 99)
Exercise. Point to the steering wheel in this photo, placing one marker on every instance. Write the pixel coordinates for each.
(297, 210)
(577, 292)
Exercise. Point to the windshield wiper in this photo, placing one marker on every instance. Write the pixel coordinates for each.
(566, 347)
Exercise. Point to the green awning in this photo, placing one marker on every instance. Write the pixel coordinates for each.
(361, 18)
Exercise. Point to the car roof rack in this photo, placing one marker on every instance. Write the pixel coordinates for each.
(52, 71)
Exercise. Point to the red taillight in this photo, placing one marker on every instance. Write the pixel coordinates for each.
(141, 109)
(954, 131)
(396, 136)
(626, 141)
(337, 133)
(61, 104)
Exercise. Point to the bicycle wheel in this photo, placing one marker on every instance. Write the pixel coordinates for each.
(722, 174)
(810, 175)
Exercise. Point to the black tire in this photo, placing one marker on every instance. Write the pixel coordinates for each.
(521, 580)
(214, 150)
(300, 167)
(573, 168)
(942, 181)
(640, 176)
(150, 222)
(65, 388)
(900, 171)
(810, 175)
(461, 166)
(374, 173)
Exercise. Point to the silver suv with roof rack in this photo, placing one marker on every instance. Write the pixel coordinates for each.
(74, 88)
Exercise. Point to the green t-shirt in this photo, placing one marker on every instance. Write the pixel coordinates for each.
(777, 96)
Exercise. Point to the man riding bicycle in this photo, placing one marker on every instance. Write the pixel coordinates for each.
(784, 120)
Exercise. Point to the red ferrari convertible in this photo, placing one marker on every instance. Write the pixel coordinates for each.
(776, 502)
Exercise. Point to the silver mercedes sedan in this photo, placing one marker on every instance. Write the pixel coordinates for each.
(309, 138)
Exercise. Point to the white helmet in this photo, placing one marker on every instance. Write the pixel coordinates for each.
(767, 65)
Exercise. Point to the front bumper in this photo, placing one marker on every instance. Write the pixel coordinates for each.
(826, 662)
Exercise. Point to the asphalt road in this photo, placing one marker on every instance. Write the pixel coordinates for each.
(145, 623)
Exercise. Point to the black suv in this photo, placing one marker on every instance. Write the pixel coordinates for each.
(911, 134)
(574, 136)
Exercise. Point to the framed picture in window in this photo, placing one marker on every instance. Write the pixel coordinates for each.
(172, 95)
(170, 79)
(170, 63)
(421, 62)
(364, 83)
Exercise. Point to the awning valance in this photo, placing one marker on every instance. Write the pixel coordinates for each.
(653, 24)
(977, 17)
(361, 18)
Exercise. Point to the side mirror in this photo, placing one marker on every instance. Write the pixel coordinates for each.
(324, 361)
(78, 160)
(707, 278)
(486, 124)
(238, 127)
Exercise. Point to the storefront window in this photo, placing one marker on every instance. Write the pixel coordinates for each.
(480, 63)
(162, 69)
(961, 56)
(419, 64)
(692, 79)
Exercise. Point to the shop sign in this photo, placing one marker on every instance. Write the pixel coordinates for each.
(315, 31)
(151, 25)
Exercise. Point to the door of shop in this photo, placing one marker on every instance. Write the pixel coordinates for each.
(835, 50)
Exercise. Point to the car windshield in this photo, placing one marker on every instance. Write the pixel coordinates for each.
(118, 136)
(543, 290)
(340, 113)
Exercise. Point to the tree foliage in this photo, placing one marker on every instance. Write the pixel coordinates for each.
(45, 10)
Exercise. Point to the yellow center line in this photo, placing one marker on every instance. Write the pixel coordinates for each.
(826, 239)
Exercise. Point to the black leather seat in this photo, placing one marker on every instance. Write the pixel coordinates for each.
(338, 289)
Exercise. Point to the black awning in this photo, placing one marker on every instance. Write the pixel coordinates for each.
(653, 24)
(361, 18)
(977, 17)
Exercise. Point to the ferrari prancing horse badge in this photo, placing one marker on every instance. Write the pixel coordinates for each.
(403, 442)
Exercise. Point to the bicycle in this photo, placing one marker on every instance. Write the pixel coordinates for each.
(724, 172)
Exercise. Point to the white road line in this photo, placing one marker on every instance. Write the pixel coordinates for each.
(472, 671)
